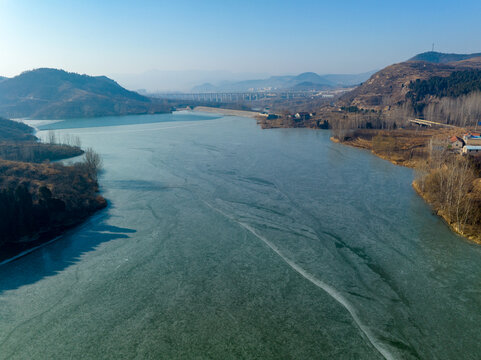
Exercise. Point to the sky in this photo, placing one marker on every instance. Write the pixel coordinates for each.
(263, 36)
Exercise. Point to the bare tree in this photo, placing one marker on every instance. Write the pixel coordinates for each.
(93, 163)
(461, 111)
(76, 142)
(51, 137)
(448, 182)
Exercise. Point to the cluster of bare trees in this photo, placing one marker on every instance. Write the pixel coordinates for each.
(15, 152)
(447, 179)
(92, 163)
(398, 116)
(461, 111)
(65, 139)
(393, 118)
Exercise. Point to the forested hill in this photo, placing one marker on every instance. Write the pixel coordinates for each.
(15, 131)
(456, 84)
(52, 93)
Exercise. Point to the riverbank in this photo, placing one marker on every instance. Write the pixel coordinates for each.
(472, 233)
(410, 148)
(39, 202)
(13, 251)
(405, 147)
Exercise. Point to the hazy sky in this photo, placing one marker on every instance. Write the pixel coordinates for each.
(276, 37)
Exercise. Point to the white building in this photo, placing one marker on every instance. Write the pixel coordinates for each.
(472, 150)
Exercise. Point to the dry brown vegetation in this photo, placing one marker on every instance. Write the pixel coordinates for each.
(450, 183)
(38, 201)
(405, 146)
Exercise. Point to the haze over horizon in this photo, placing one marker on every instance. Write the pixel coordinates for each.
(263, 37)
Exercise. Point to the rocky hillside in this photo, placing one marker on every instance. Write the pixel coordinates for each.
(52, 93)
(389, 87)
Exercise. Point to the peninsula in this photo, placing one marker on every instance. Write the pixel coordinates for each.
(39, 199)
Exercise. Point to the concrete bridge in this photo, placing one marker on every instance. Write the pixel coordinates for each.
(235, 96)
(422, 122)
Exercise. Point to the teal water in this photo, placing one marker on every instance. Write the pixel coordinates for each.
(225, 241)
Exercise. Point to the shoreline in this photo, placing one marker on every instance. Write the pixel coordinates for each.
(45, 243)
(410, 165)
(227, 112)
(455, 229)
(45, 238)
(452, 226)
(28, 251)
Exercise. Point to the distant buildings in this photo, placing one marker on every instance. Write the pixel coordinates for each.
(456, 142)
(302, 115)
(472, 138)
(471, 135)
(470, 144)
(474, 150)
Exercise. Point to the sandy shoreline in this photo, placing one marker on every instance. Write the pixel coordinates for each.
(227, 112)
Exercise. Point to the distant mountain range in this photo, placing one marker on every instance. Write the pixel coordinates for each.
(155, 81)
(54, 94)
(390, 85)
(304, 81)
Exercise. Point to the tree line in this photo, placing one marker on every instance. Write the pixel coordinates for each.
(342, 126)
(456, 84)
(461, 111)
